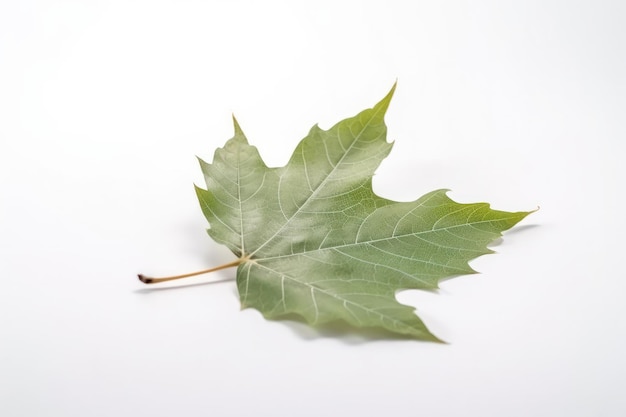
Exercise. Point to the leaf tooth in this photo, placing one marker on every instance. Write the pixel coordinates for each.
(381, 107)
(238, 132)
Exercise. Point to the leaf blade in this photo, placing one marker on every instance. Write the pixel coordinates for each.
(316, 241)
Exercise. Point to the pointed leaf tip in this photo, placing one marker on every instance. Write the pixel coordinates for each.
(238, 135)
(238, 130)
(383, 104)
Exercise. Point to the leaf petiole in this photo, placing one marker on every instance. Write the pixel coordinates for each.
(150, 280)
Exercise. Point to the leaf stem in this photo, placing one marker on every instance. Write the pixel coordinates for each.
(150, 280)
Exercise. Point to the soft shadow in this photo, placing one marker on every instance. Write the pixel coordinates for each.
(343, 332)
(519, 229)
(170, 287)
(496, 242)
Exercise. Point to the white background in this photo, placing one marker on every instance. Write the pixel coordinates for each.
(104, 105)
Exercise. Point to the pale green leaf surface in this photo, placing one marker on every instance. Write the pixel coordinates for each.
(315, 240)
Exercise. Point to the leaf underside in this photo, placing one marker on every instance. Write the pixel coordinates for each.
(316, 241)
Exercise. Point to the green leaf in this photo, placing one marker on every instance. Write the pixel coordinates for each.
(314, 240)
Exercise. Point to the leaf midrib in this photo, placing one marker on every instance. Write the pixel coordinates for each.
(398, 323)
(239, 201)
(319, 187)
(381, 240)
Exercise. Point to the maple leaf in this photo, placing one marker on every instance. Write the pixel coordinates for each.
(313, 239)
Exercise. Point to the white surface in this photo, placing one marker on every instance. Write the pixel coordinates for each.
(103, 106)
